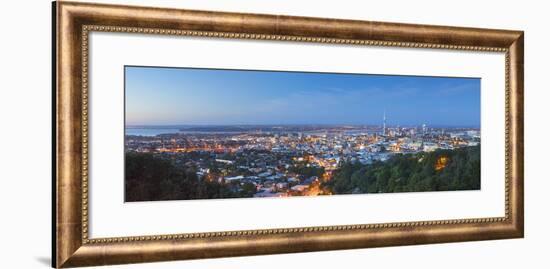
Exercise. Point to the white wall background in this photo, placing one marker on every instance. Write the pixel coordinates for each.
(25, 133)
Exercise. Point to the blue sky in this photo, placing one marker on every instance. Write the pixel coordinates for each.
(180, 96)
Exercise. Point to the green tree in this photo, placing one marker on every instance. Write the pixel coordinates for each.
(412, 173)
(152, 178)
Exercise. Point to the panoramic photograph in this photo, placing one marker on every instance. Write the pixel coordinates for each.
(193, 133)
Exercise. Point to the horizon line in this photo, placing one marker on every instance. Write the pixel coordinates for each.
(298, 124)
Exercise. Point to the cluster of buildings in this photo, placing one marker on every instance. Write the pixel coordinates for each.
(279, 164)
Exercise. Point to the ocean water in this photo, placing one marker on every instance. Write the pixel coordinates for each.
(150, 131)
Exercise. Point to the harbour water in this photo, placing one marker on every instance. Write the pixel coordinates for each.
(150, 131)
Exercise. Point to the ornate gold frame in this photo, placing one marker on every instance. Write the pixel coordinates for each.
(74, 21)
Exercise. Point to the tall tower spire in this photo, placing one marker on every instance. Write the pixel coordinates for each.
(384, 124)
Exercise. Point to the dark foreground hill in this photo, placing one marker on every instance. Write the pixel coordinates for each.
(441, 170)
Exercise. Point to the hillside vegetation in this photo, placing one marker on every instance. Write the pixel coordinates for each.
(441, 170)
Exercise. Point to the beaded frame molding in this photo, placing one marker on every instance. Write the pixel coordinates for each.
(73, 22)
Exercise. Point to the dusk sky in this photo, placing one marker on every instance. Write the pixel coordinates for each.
(181, 96)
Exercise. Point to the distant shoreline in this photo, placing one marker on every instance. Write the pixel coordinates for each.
(245, 126)
(275, 129)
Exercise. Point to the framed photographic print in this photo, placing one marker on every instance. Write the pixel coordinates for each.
(185, 134)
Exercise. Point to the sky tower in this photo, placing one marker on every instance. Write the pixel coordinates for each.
(384, 124)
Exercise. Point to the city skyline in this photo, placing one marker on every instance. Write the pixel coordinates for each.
(184, 96)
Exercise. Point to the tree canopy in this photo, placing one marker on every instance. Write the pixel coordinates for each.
(441, 170)
(150, 178)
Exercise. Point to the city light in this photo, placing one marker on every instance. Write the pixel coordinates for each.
(296, 161)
